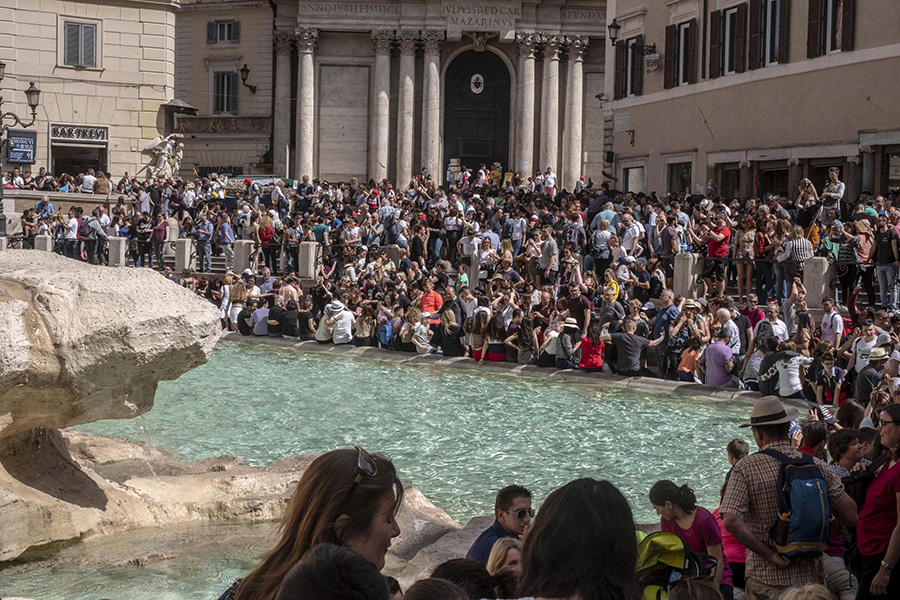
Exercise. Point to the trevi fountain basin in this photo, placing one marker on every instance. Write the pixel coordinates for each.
(103, 497)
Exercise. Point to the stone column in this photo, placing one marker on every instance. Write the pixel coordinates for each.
(284, 43)
(431, 104)
(405, 106)
(525, 132)
(378, 145)
(306, 108)
(574, 111)
(550, 104)
(868, 170)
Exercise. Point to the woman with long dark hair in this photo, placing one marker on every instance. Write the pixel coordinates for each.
(679, 514)
(562, 557)
(345, 497)
(524, 341)
(494, 348)
(592, 348)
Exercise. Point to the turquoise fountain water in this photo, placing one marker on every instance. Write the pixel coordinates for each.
(456, 434)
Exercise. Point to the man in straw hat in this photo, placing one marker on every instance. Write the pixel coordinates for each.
(750, 504)
(870, 375)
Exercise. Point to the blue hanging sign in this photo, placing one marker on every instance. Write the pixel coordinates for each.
(21, 146)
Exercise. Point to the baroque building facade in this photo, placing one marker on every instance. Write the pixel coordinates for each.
(387, 89)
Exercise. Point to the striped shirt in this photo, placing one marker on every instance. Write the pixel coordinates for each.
(752, 495)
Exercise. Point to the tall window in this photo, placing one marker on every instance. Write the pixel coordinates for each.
(833, 26)
(225, 92)
(80, 45)
(223, 31)
(730, 40)
(771, 23)
(683, 50)
(631, 57)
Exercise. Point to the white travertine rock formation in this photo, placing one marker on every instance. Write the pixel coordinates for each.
(82, 343)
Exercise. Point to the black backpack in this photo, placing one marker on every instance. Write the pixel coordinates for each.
(84, 230)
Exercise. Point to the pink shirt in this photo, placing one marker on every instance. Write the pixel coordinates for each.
(704, 532)
(735, 552)
(878, 515)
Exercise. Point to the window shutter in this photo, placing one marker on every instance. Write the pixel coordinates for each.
(211, 32)
(637, 68)
(814, 30)
(89, 46)
(692, 51)
(233, 93)
(619, 84)
(784, 29)
(754, 48)
(72, 34)
(236, 31)
(740, 35)
(669, 77)
(847, 25)
(715, 47)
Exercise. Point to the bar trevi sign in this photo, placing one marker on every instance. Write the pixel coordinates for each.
(79, 133)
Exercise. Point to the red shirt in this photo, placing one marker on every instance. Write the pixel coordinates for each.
(591, 357)
(720, 249)
(878, 515)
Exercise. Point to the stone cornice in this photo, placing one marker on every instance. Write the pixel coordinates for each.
(224, 5)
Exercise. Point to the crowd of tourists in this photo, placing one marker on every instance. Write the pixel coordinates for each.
(836, 535)
(527, 273)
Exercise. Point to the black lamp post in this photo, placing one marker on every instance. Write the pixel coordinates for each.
(642, 49)
(245, 73)
(33, 97)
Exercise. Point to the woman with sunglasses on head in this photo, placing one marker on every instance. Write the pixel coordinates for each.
(345, 497)
(878, 529)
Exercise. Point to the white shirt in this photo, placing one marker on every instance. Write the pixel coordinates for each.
(832, 325)
(87, 184)
(861, 349)
(631, 233)
(778, 328)
(342, 331)
(550, 180)
(72, 232)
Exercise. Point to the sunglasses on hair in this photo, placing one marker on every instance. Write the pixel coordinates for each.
(520, 514)
(365, 466)
(868, 322)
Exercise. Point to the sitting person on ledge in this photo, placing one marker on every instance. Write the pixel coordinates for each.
(513, 514)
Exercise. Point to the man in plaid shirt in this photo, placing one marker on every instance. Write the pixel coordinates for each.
(750, 505)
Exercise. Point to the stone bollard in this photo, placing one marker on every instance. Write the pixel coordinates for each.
(310, 257)
(282, 260)
(818, 274)
(242, 251)
(118, 252)
(687, 273)
(173, 235)
(183, 249)
(392, 252)
(2, 243)
(43, 242)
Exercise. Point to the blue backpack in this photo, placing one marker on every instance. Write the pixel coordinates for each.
(385, 333)
(804, 523)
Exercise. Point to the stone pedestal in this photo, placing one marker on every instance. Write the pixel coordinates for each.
(687, 272)
(242, 251)
(282, 261)
(817, 277)
(118, 252)
(183, 249)
(2, 243)
(173, 235)
(309, 260)
(44, 242)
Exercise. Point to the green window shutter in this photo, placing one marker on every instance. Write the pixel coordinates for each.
(71, 43)
(89, 46)
(233, 101)
(236, 31)
(211, 32)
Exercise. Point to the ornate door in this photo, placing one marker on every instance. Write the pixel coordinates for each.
(476, 110)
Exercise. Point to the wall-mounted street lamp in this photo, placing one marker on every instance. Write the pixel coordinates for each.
(33, 98)
(602, 99)
(630, 133)
(245, 73)
(642, 49)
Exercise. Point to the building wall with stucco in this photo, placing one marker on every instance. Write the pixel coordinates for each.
(766, 124)
(103, 113)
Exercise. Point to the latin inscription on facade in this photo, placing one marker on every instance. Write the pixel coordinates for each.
(478, 17)
(350, 10)
(581, 15)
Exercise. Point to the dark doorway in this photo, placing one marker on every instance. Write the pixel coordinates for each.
(77, 159)
(476, 110)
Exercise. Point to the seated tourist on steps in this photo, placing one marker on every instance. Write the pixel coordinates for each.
(512, 514)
